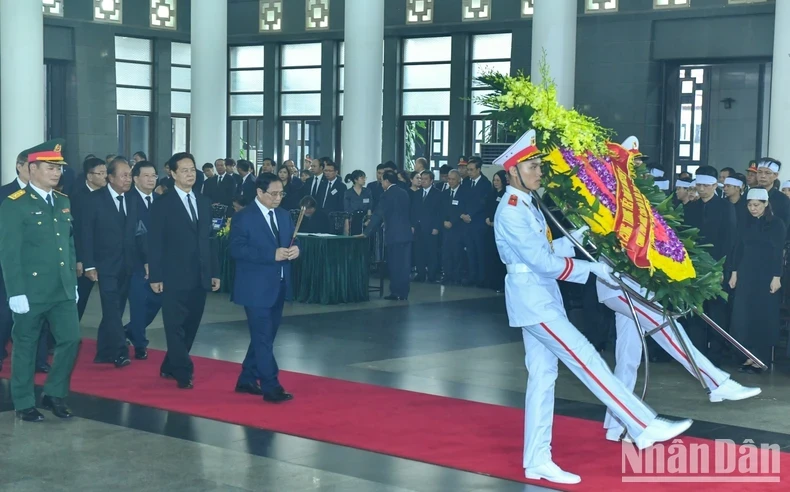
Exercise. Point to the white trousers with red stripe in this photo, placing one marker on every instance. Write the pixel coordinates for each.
(544, 344)
(628, 349)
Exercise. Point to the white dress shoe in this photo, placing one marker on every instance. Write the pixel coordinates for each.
(733, 391)
(614, 434)
(661, 430)
(551, 472)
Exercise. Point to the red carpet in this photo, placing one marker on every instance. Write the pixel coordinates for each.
(455, 433)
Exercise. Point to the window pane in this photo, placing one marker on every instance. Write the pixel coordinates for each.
(181, 54)
(301, 79)
(246, 81)
(341, 83)
(697, 147)
(133, 49)
(180, 78)
(491, 46)
(427, 49)
(179, 134)
(133, 74)
(246, 57)
(477, 108)
(426, 103)
(685, 122)
(342, 54)
(180, 102)
(238, 139)
(426, 76)
(479, 69)
(139, 133)
(340, 101)
(246, 105)
(133, 99)
(301, 104)
(301, 55)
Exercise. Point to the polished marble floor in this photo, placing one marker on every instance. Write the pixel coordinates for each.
(449, 341)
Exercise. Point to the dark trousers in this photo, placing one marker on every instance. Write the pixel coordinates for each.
(84, 287)
(260, 364)
(426, 252)
(111, 340)
(474, 240)
(452, 254)
(399, 266)
(144, 305)
(704, 337)
(182, 311)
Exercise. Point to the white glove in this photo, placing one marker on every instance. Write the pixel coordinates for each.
(19, 304)
(579, 233)
(604, 272)
(77, 293)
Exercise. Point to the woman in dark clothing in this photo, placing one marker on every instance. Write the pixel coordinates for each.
(757, 269)
(358, 201)
(293, 192)
(495, 270)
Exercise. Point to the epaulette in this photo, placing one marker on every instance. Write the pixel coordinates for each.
(61, 194)
(16, 194)
(513, 201)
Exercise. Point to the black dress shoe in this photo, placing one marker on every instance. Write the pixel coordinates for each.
(140, 354)
(43, 369)
(250, 388)
(57, 405)
(185, 385)
(29, 415)
(277, 396)
(122, 361)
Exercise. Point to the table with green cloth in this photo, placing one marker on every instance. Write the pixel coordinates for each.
(331, 269)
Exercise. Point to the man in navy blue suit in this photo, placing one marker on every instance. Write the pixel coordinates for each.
(260, 243)
(248, 189)
(476, 190)
(393, 210)
(427, 222)
(144, 304)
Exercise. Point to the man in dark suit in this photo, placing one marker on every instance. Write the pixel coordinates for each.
(427, 222)
(221, 188)
(393, 210)
(6, 317)
(247, 182)
(109, 225)
(452, 235)
(95, 173)
(144, 305)
(332, 190)
(477, 187)
(314, 183)
(375, 186)
(260, 243)
(183, 265)
(230, 167)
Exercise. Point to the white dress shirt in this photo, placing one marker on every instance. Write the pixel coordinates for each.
(22, 185)
(151, 198)
(117, 203)
(265, 211)
(43, 194)
(182, 195)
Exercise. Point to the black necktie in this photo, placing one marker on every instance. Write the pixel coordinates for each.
(275, 230)
(315, 187)
(49, 200)
(191, 209)
(452, 194)
(148, 202)
(474, 183)
(424, 195)
(120, 206)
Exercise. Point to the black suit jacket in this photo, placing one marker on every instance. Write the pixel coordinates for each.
(223, 192)
(393, 210)
(181, 254)
(475, 200)
(426, 214)
(77, 199)
(309, 188)
(331, 199)
(5, 191)
(248, 190)
(143, 226)
(108, 242)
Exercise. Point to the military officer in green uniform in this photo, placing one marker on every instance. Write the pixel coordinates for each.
(39, 266)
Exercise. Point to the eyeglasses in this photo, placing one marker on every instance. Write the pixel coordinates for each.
(276, 194)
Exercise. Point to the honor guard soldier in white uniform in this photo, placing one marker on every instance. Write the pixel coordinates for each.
(534, 263)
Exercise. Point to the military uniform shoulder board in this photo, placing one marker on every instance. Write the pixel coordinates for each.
(61, 194)
(513, 201)
(16, 194)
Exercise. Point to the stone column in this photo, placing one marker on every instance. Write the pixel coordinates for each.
(778, 141)
(554, 31)
(209, 80)
(22, 90)
(362, 111)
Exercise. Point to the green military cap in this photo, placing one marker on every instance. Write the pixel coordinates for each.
(50, 152)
